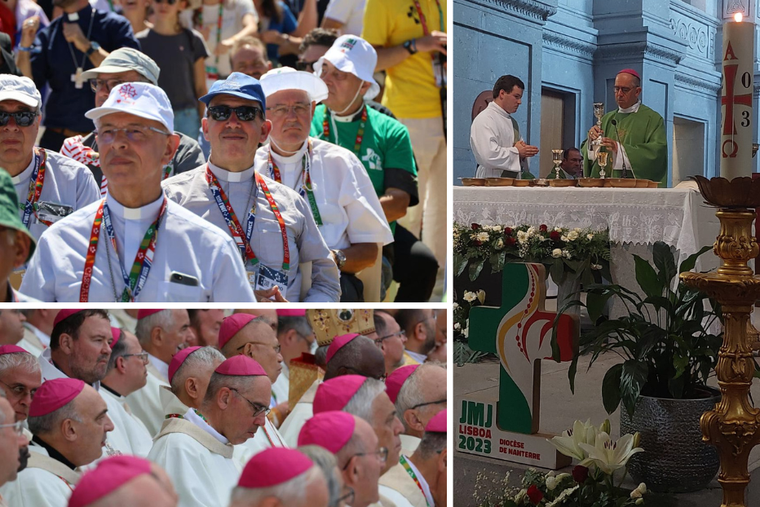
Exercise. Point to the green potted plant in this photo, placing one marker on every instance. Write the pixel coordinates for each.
(668, 351)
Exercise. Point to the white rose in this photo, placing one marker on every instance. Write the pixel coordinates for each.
(455, 306)
(577, 229)
(557, 253)
(470, 296)
(531, 231)
(496, 228)
(572, 235)
(551, 483)
(566, 255)
(558, 229)
(589, 237)
(563, 238)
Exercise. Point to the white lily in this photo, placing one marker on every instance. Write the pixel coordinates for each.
(569, 443)
(608, 455)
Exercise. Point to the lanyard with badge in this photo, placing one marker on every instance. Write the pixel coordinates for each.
(135, 280)
(359, 133)
(307, 189)
(266, 277)
(414, 477)
(36, 181)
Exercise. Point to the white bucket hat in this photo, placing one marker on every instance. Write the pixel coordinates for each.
(21, 89)
(140, 99)
(287, 78)
(353, 54)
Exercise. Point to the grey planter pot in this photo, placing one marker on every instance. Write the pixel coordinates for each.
(675, 459)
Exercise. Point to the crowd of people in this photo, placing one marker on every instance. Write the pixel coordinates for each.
(246, 408)
(223, 150)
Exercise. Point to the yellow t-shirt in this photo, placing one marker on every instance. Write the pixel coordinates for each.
(410, 89)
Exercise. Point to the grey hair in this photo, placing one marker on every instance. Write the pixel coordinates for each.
(353, 446)
(300, 324)
(46, 424)
(163, 319)
(410, 393)
(219, 381)
(201, 359)
(19, 360)
(290, 493)
(360, 403)
(432, 443)
(325, 460)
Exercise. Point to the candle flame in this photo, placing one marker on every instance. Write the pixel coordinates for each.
(738, 17)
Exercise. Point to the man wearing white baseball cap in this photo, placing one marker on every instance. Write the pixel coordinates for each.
(383, 145)
(330, 178)
(136, 245)
(49, 186)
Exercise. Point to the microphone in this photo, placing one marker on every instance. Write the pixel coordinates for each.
(617, 135)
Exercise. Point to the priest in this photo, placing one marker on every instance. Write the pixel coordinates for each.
(12, 441)
(196, 450)
(296, 338)
(19, 378)
(189, 374)
(69, 422)
(634, 136)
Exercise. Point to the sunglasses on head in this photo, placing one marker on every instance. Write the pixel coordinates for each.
(22, 118)
(243, 113)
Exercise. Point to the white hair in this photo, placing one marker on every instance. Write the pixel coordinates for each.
(19, 359)
(163, 319)
(411, 393)
(45, 424)
(199, 360)
(326, 461)
(360, 403)
(291, 493)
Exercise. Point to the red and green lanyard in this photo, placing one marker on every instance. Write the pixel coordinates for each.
(359, 133)
(243, 238)
(135, 280)
(36, 181)
(423, 21)
(307, 190)
(411, 473)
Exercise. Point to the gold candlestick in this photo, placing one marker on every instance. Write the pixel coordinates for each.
(733, 426)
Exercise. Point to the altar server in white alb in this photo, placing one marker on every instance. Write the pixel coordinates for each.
(49, 185)
(196, 450)
(495, 138)
(69, 422)
(136, 245)
(271, 225)
(330, 178)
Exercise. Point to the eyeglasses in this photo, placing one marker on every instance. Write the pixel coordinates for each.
(623, 89)
(258, 409)
(22, 118)
(381, 453)
(300, 108)
(401, 334)
(108, 84)
(418, 405)
(243, 113)
(277, 348)
(135, 133)
(19, 390)
(347, 498)
(305, 66)
(18, 427)
(142, 355)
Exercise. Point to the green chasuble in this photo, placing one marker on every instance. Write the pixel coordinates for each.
(644, 138)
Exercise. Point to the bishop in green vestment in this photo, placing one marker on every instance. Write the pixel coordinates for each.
(643, 146)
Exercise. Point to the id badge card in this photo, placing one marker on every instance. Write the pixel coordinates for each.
(439, 71)
(52, 211)
(266, 278)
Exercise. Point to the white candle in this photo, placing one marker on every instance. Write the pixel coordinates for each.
(736, 99)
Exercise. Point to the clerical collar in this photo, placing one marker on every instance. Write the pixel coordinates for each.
(150, 210)
(194, 418)
(290, 159)
(161, 366)
(53, 453)
(83, 13)
(232, 177)
(111, 390)
(24, 175)
(633, 109)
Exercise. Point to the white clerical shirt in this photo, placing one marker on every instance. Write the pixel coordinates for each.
(492, 140)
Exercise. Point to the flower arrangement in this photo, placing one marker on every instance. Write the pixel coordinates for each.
(584, 253)
(462, 352)
(590, 484)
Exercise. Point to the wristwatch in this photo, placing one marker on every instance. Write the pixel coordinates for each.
(340, 258)
(411, 46)
(94, 46)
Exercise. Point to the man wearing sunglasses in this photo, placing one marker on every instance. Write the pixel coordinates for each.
(330, 178)
(126, 65)
(136, 245)
(271, 225)
(196, 449)
(49, 186)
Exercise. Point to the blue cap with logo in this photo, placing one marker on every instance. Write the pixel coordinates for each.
(237, 84)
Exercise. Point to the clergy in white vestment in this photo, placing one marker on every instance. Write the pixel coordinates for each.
(420, 479)
(340, 495)
(124, 481)
(12, 440)
(189, 374)
(296, 338)
(330, 178)
(49, 186)
(196, 450)
(270, 223)
(248, 335)
(69, 422)
(205, 323)
(135, 244)
(419, 393)
(354, 444)
(162, 333)
(495, 139)
(279, 477)
(79, 349)
(37, 329)
(20, 377)
(126, 374)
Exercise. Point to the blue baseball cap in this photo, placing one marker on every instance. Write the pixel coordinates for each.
(237, 84)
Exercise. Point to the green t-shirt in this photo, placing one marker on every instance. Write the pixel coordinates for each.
(385, 144)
